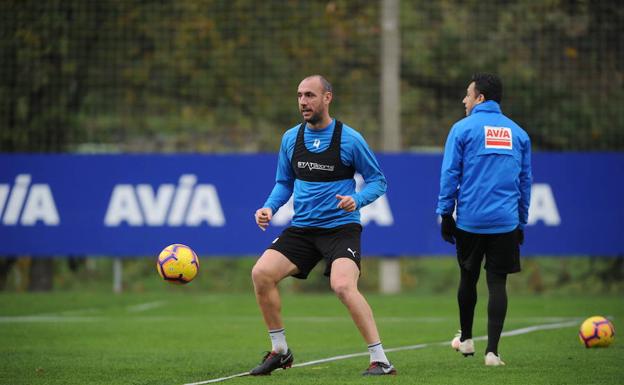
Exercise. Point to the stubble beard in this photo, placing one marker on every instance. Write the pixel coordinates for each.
(314, 118)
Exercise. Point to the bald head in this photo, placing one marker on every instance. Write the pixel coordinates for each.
(314, 95)
(325, 84)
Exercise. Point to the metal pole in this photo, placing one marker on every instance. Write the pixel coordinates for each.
(390, 77)
(389, 269)
(117, 275)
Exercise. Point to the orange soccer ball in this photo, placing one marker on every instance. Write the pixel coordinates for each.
(177, 264)
(596, 331)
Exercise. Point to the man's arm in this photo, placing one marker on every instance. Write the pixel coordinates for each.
(526, 178)
(284, 180)
(366, 164)
(450, 173)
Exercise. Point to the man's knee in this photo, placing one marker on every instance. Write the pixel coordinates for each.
(262, 276)
(271, 268)
(343, 288)
(469, 275)
(496, 279)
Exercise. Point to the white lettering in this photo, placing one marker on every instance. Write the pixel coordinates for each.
(378, 212)
(188, 204)
(205, 206)
(181, 200)
(40, 207)
(284, 214)
(39, 204)
(543, 206)
(155, 206)
(16, 199)
(123, 207)
(4, 193)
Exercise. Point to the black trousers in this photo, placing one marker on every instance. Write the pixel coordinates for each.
(502, 256)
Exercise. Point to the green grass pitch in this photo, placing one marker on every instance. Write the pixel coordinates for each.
(179, 337)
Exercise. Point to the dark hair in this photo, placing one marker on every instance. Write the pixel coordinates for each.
(489, 85)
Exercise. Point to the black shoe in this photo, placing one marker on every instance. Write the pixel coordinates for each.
(272, 361)
(379, 369)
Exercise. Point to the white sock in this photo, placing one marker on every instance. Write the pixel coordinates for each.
(278, 340)
(377, 353)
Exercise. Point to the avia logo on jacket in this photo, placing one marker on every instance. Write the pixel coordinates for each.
(498, 137)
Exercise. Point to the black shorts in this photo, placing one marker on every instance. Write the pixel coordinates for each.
(306, 246)
(501, 251)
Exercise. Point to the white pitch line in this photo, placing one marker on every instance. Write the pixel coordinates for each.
(46, 318)
(530, 329)
(144, 306)
(76, 315)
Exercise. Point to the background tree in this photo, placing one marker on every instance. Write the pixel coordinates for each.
(218, 75)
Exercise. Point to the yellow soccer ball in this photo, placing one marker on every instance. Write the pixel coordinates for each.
(177, 264)
(596, 331)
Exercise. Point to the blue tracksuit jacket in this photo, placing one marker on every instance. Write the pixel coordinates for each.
(315, 202)
(486, 172)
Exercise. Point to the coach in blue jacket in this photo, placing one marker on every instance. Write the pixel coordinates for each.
(486, 180)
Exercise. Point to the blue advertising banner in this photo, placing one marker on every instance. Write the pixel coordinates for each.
(134, 205)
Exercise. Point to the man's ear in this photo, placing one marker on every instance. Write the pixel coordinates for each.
(328, 97)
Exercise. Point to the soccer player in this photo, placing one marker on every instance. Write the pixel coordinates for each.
(486, 177)
(316, 164)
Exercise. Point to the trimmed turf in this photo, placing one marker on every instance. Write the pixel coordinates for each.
(180, 337)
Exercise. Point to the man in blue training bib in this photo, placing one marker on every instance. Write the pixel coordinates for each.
(316, 164)
(486, 176)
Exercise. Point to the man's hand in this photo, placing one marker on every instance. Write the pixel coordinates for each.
(520, 235)
(347, 203)
(448, 228)
(263, 216)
